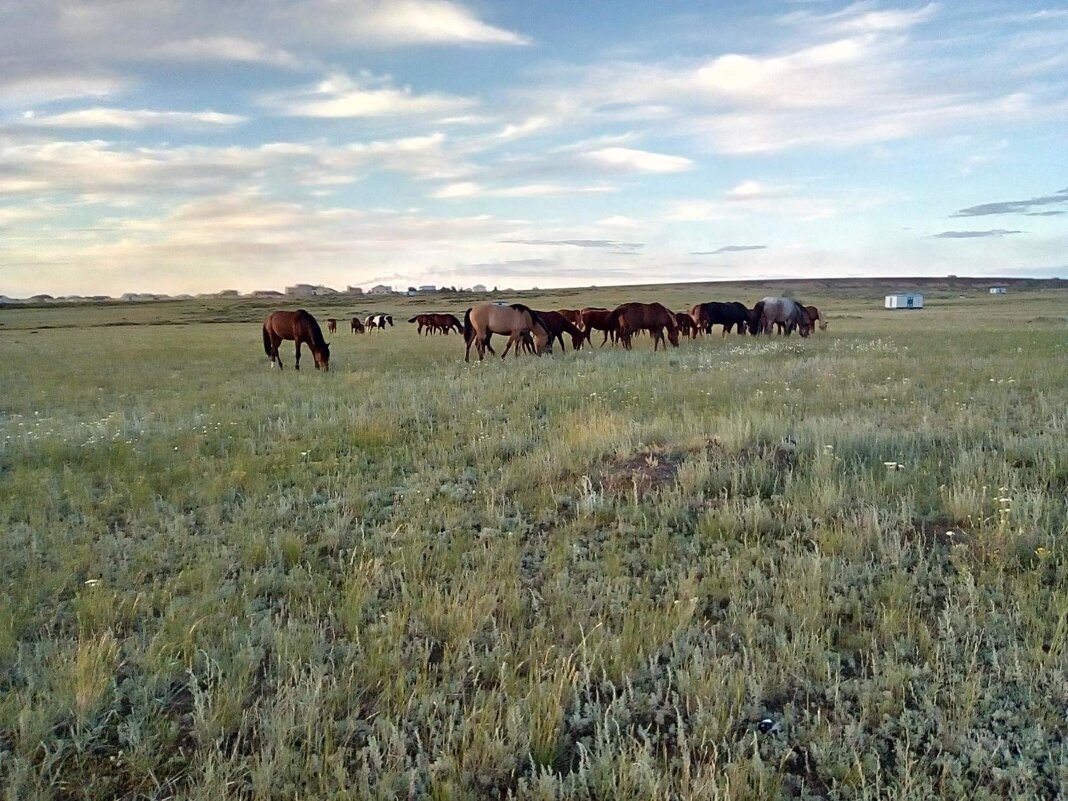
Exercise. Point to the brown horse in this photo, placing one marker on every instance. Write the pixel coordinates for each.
(357, 326)
(594, 318)
(573, 316)
(436, 323)
(302, 328)
(630, 318)
(557, 325)
(687, 327)
(331, 325)
(516, 320)
(815, 316)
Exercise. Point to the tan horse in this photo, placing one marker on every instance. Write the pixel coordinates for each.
(519, 322)
(331, 325)
(630, 318)
(302, 328)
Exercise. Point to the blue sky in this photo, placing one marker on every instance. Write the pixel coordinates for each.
(189, 145)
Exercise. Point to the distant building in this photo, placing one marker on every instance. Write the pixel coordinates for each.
(478, 288)
(353, 290)
(309, 290)
(428, 288)
(266, 293)
(904, 300)
(381, 289)
(998, 290)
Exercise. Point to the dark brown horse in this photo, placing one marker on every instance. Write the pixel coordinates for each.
(630, 318)
(687, 327)
(331, 325)
(357, 326)
(518, 321)
(815, 316)
(556, 324)
(729, 315)
(302, 328)
(593, 318)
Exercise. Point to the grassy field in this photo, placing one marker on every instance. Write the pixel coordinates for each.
(588, 576)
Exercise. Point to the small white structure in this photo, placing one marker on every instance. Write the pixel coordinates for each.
(478, 288)
(998, 290)
(381, 289)
(428, 288)
(904, 300)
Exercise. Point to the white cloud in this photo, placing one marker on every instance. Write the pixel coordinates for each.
(133, 119)
(339, 96)
(426, 22)
(45, 88)
(458, 190)
(625, 159)
(224, 48)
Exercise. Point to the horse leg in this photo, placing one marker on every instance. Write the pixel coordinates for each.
(297, 365)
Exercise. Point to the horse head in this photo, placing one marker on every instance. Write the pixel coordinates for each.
(322, 357)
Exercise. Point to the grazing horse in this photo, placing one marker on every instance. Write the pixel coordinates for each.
(519, 322)
(687, 327)
(729, 315)
(787, 313)
(556, 325)
(302, 328)
(594, 318)
(815, 316)
(331, 325)
(357, 326)
(573, 316)
(436, 323)
(630, 318)
(378, 321)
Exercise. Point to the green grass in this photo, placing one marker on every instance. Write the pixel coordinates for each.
(583, 576)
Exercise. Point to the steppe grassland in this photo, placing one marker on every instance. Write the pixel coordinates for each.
(585, 576)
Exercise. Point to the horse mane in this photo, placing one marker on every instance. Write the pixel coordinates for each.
(521, 308)
(313, 324)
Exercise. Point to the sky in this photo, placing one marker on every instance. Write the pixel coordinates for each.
(192, 146)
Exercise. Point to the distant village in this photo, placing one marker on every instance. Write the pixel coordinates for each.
(295, 291)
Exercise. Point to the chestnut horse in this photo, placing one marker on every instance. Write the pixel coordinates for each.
(630, 318)
(557, 324)
(815, 316)
(436, 323)
(573, 316)
(302, 328)
(331, 325)
(357, 326)
(593, 318)
(516, 320)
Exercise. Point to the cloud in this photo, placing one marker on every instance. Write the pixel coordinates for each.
(340, 97)
(224, 48)
(468, 189)
(727, 249)
(131, 119)
(974, 234)
(46, 88)
(407, 22)
(625, 159)
(1014, 206)
(579, 243)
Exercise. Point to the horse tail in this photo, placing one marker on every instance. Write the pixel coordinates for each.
(612, 323)
(469, 330)
(266, 340)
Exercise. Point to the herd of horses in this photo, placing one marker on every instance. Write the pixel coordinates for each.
(536, 331)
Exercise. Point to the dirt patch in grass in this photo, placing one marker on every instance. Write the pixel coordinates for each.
(643, 472)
